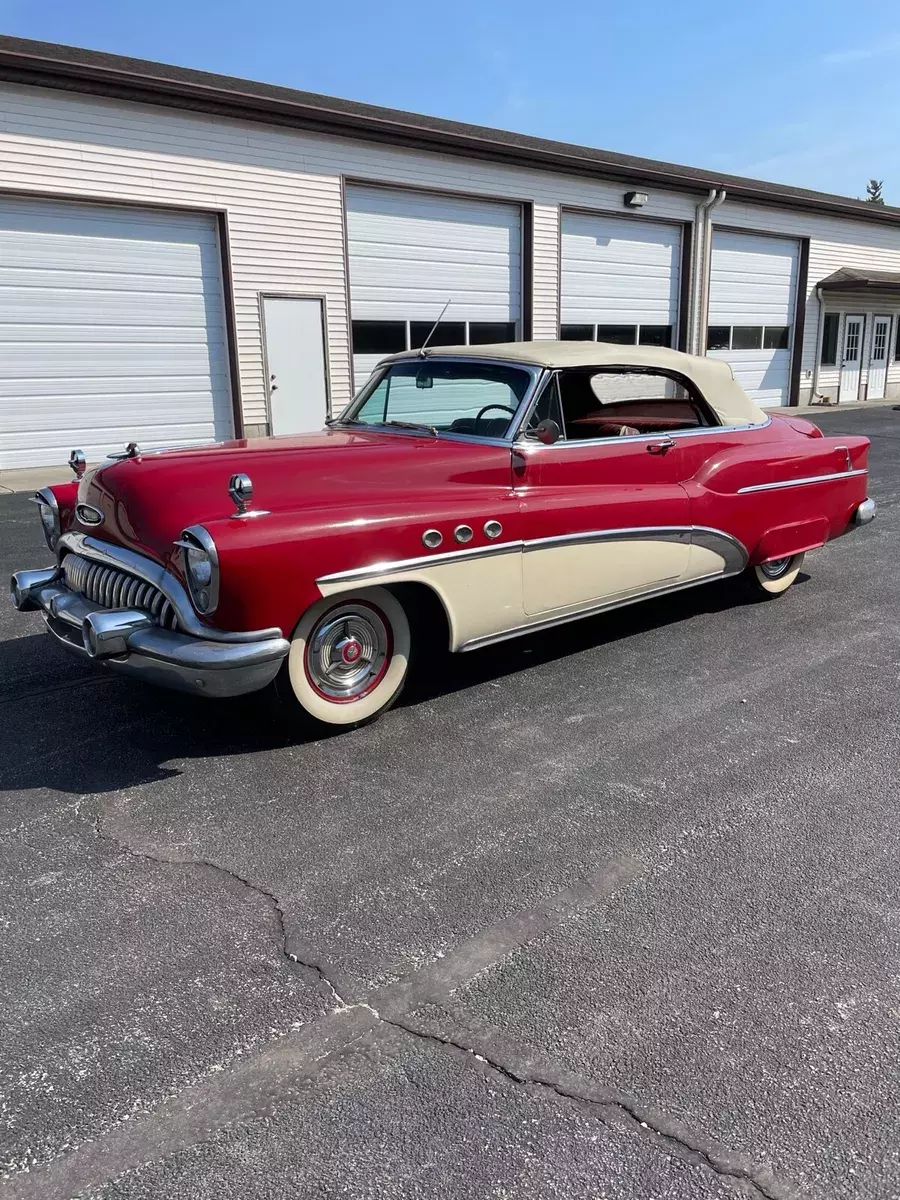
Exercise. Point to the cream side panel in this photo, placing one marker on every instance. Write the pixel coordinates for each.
(481, 596)
(565, 576)
(702, 561)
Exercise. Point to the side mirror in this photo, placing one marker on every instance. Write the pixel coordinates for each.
(547, 432)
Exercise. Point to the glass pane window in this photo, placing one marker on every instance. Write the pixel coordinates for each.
(830, 339)
(718, 337)
(656, 335)
(617, 402)
(619, 335)
(379, 337)
(576, 333)
(484, 333)
(454, 397)
(448, 333)
(746, 337)
(777, 337)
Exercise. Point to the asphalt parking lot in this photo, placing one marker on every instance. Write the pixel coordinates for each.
(611, 912)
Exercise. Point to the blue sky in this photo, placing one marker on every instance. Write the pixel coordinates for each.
(800, 93)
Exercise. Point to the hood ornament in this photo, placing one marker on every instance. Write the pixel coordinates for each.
(240, 489)
(77, 463)
(132, 450)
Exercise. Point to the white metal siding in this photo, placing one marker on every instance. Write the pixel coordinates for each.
(619, 271)
(411, 252)
(753, 281)
(111, 330)
(545, 286)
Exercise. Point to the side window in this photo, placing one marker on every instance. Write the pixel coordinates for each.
(611, 402)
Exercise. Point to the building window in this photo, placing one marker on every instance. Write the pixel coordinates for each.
(830, 339)
(484, 333)
(777, 337)
(718, 337)
(619, 335)
(576, 333)
(447, 333)
(655, 335)
(379, 337)
(746, 337)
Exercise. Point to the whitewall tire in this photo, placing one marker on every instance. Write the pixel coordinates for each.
(773, 578)
(348, 660)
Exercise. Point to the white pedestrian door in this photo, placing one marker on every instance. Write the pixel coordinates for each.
(294, 329)
(852, 358)
(878, 358)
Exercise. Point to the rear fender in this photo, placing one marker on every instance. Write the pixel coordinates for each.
(787, 540)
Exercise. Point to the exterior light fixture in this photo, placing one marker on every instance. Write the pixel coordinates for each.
(636, 199)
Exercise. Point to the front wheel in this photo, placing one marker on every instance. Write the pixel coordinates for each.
(348, 659)
(772, 578)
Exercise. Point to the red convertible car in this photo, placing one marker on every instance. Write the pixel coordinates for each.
(470, 494)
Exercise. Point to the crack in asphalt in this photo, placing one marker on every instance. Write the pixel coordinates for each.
(272, 902)
(758, 1180)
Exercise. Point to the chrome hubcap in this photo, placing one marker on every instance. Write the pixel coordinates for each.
(348, 652)
(775, 568)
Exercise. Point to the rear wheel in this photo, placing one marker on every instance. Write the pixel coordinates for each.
(348, 660)
(774, 577)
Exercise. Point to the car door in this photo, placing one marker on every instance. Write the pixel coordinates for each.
(603, 517)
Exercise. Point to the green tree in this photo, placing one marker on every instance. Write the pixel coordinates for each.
(873, 191)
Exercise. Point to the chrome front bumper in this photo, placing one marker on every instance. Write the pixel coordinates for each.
(129, 642)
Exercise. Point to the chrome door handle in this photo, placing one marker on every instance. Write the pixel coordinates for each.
(660, 446)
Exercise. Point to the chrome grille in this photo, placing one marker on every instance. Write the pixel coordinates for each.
(113, 588)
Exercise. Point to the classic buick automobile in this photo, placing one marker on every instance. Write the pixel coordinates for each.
(469, 494)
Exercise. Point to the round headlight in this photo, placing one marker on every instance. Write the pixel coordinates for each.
(201, 568)
(49, 512)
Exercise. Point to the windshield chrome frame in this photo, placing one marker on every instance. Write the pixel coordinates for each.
(535, 372)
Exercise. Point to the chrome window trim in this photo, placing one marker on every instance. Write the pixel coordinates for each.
(729, 548)
(345, 420)
(613, 440)
(787, 483)
(155, 574)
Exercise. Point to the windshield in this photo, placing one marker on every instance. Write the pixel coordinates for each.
(445, 397)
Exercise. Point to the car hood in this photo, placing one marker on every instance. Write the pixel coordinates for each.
(148, 500)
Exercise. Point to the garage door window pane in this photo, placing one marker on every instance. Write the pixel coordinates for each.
(621, 335)
(746, 337)
(656, 335)
(576, 333)
(777, 337)
(448, 333)
(379, 337)
(484, 333)
(718, 337)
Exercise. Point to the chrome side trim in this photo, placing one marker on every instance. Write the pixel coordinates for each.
(643, 533)
(733, 552)
(787, 483)
(152, 573)
(422, 560)
(589, 611)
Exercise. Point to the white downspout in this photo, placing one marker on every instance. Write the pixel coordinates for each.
(818, 359)
(696, 290)
(703, 314)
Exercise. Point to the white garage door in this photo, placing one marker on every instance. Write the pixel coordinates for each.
(752, 296)
(411, 252)
(619, 279)
(111, 330)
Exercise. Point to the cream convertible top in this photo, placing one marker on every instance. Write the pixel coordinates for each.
(713, 379)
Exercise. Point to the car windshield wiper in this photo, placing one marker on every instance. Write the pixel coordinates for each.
(412, 425)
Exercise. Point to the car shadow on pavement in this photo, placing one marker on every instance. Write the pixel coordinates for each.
(70, 727)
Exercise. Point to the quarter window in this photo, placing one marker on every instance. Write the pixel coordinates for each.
(611, 402)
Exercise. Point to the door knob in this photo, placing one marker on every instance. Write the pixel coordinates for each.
(660, 446)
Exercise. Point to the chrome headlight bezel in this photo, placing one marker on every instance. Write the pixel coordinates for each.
(200, 562)
(49, 513)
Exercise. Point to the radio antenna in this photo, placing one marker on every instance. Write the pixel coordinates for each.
(424, 345)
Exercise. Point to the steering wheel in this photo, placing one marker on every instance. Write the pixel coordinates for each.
(487, 408)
